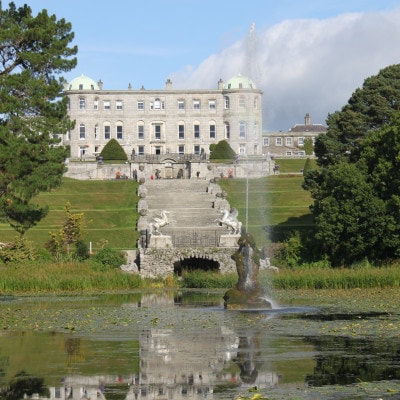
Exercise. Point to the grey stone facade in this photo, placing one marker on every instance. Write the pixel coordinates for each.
(164, 121)
(291, 143)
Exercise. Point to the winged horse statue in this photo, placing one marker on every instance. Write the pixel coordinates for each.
(230, 219)
(158, 222)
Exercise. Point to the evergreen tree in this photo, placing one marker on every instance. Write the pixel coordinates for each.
(307, 167)
(34, 51)
(308, 146)
(221, 151)
(113, 151)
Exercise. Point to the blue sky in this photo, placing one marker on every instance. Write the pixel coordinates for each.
(310, 54)
(142, 42)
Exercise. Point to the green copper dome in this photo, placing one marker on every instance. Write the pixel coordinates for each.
(82, 83)
(240, 82)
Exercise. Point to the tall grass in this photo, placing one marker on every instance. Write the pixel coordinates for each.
(62, 277)
(323, 278)
(208, 280)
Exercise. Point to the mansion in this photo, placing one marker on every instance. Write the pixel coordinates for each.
(166, 121)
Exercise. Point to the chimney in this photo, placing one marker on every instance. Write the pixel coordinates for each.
(100, 83)
(307, 119)
(220, 83)
(168, 84)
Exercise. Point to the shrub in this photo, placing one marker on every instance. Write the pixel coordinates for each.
(81, 251)
(18, 250)
(308, 146)
(307, 167)
(108, 259)
(221, 151)
(289, 255)
(113, 151)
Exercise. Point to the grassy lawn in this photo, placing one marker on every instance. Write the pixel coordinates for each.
(275, 202)
(289, 165)
(109, 208)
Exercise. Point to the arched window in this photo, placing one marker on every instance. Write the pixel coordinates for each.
(227, 130)
(82, 131)
(119, 130)
(82, 103)
(107, 130)
(181, 130)
(242, 129)
(140, 130)
(196, 129)
(157, 104)
(213, 130)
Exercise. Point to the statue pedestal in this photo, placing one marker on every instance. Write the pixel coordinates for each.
(160, 242)
(229, 241)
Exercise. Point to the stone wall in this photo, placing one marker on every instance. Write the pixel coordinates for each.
(160, 262)
(252, 167)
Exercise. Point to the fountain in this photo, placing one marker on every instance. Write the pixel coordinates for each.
(248, 292)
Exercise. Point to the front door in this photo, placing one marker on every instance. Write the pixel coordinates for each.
(168, 172)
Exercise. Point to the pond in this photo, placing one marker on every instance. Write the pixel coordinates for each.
(184, 345)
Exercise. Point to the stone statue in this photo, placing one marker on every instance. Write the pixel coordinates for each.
(230, 219)
(265, 264)
(158, 222)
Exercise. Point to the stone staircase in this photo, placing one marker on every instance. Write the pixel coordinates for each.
(189, 205)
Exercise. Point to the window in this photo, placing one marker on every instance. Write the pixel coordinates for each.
(96, 131)
(96, 149)
(181, 104)
(302, 153)
(140, 105)
(240, 85)
(82, 131)
(158, 151)
(242, 102)
(196, 130)
(96, 104)
(226, 103)
(196, 104)
(140, 130)
(266, 141)
(196, 149)
(242, 149)
(119, 130)
(212, 104)
(300, 141)
(157, 131)
(181, 131)
(107, 131)
(140, 150)
(289, 141)
(92, 87)
(278, 141)
(227, 130)
(119, 105)
(80, 87)
(242, 129)
(212, 130)
(157, 104)
(181, 149)
(288, 153)
(256, 129)
(82, 103)
(255, 104)
(107, 104)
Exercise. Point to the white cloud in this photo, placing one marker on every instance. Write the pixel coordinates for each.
(305, 65)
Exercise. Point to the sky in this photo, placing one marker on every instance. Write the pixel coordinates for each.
(306, 55)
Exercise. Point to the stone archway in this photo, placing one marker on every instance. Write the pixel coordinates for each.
(195, 263)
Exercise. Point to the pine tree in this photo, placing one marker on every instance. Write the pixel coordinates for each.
(33, 52)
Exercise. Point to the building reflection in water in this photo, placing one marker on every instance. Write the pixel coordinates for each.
(175, 366)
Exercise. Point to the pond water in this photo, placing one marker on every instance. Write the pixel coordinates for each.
(184, 345)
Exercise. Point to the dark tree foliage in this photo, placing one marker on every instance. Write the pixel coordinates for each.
(356, 191)
(369, 108)
(221, 151)
(113, 151)
(308, 146)
(307, 167)
(33, 52)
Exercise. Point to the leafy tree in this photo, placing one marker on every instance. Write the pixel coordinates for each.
(369, 108)
(113, 151)
(33, 52)
(307, 167)
(221, 151)
(308, 146)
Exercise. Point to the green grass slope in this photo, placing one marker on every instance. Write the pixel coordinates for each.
(109, 208)
(276, 203)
